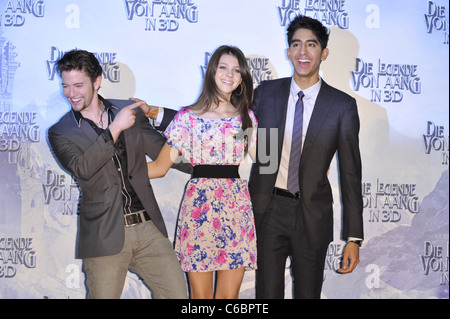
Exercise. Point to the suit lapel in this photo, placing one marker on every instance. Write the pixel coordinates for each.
(86, 129)
(282, 99)
(129, 135)
(323, 105)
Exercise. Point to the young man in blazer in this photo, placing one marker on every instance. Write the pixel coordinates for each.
(299, 223)
(103, 144)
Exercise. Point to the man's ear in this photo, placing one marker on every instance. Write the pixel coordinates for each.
(98, 82)
(325, 53)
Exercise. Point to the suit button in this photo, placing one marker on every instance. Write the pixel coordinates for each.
(130, 177)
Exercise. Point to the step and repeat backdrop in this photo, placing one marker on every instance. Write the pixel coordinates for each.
(392, 56)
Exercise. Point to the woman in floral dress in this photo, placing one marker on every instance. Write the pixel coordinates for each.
(216, 230)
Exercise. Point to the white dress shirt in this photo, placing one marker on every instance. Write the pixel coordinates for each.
(309, 100)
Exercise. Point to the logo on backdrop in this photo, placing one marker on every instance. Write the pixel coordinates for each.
(16, 127)
(162, 15)
(435, 141)
(15, 12)
(333, 260)
(14, 252)
(111, 68)
(331, 13)
(389, 201)
(260, 67)
(386, 81)
(435, 260)
(435, 20)
(205, 65)
(63, 193)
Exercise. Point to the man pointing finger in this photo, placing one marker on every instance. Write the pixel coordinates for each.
(103, 144)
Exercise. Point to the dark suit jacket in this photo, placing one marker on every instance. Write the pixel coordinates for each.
(334, 127)
(88, 157)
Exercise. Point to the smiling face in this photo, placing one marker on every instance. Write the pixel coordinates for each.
(228, 75)
(306, 54)
(79, 89)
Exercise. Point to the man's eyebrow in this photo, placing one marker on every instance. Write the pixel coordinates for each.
(78, 83)
(309, 40)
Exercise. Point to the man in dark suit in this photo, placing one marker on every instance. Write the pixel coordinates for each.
(297, 220)
(103, 144)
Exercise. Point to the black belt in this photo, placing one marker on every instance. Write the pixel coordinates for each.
(216, 171)
(285, 193)
(136, 218)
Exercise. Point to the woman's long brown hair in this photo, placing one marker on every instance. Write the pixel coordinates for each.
(241, 100)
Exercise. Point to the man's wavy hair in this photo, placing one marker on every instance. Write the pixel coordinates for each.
(80, 60)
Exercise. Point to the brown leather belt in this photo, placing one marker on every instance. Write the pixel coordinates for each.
(285, 193)
(136, 218)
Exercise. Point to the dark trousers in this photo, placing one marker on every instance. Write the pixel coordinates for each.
(281, 235)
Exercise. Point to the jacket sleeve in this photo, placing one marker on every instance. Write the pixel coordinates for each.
(256, 98)
(169, 114)
(350, 169)
(82, 163)
(154, 141)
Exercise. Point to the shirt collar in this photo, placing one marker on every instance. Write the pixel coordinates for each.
(79, 117)
(310, 92)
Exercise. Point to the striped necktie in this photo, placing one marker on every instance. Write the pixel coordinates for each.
(294, 159)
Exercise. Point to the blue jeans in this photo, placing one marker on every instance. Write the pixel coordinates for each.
(147, 253)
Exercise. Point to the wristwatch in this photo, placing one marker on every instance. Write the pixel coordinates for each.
(358, 242)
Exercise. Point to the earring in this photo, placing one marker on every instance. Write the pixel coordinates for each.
(242, 90)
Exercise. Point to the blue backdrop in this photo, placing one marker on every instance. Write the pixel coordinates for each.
(392, 56)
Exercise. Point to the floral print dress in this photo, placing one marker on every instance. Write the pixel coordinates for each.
(216, 228)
